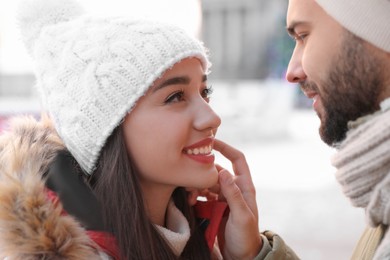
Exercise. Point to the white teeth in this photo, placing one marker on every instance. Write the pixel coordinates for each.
(201, 150)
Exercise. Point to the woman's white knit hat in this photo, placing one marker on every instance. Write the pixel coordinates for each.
(91, 71)
(368, 19)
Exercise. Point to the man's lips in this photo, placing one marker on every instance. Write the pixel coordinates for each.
(315, 97)
(310, 94)
(310, 91)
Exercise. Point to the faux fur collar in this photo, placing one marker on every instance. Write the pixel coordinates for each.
(31, 226)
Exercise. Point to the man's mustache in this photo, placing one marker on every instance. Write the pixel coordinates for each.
(307, 86)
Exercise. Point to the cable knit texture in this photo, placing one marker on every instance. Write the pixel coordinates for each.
(92, 70)
(177, 231)
(368, 19)
(363, 169)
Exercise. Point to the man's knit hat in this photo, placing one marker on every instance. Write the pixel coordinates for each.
(368, 19)
(92, 70)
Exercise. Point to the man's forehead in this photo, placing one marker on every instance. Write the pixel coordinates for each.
(299, 10)
(304, 12)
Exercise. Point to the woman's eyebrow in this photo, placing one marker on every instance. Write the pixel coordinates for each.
(204, 79)
(184, 80)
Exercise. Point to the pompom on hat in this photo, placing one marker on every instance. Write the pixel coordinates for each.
(368, 19)
(91, 71)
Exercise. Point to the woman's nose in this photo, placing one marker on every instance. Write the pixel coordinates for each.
(295, 72)
(205, 118)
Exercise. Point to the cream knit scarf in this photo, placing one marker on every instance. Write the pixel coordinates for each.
(363, 169)
(177, 231)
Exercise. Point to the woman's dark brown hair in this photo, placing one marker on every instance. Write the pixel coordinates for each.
(116, 185)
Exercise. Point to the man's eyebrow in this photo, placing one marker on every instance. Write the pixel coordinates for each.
(291, 29)
(181, 80)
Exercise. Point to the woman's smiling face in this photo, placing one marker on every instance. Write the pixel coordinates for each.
(169, 134)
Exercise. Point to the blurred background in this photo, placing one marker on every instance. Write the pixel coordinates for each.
(262, 114)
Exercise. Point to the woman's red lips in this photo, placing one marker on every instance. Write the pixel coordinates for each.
(205, 142)
(201, 151)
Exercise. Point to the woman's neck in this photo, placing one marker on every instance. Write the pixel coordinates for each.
(156, 199)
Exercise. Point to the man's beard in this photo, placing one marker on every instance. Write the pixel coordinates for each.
(351, 91)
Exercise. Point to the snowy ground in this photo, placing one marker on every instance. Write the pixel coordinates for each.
(297, 194)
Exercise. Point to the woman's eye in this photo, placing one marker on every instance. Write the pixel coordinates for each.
(206, 92)
(174, 97)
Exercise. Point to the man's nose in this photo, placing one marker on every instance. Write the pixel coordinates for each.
(295, 72)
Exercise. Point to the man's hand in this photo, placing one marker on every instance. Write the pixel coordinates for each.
(240, 239)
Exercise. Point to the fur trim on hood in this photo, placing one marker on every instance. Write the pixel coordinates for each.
(31, 225)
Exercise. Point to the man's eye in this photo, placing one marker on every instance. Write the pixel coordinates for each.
(300, 37)
(175, 97)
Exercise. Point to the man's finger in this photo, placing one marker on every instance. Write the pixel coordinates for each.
(232, 193)
(237, 158)
(241, 170)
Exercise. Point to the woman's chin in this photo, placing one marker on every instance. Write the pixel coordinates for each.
(212, 180)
